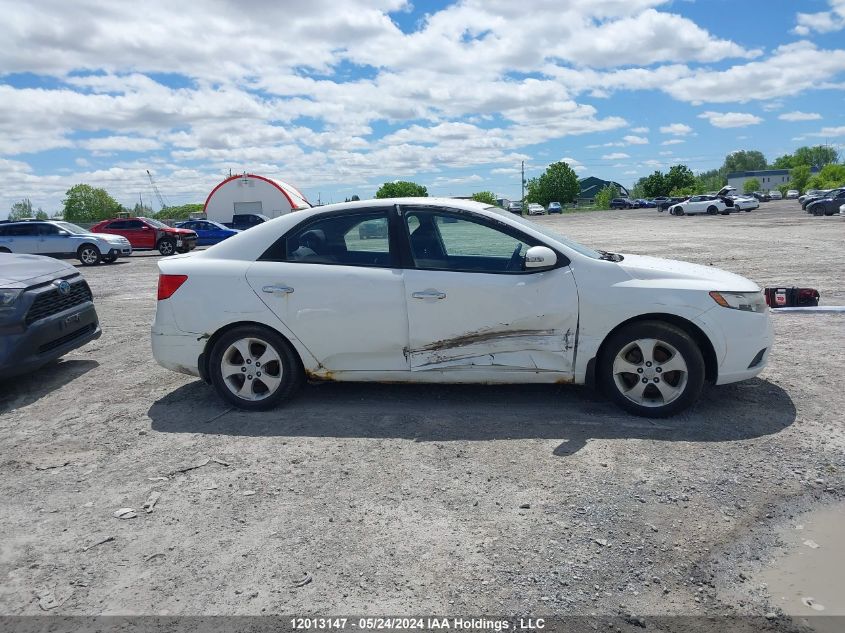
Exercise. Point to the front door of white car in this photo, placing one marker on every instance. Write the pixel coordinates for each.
(333, 283)
(473, 307)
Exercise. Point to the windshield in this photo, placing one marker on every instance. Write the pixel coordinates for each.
(575, 246)
(71, 228)
(155, 223)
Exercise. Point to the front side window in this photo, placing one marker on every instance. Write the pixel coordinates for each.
(442, 241)
(133, 225)
(359, 239)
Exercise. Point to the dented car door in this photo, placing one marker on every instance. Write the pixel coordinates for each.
(473, 306)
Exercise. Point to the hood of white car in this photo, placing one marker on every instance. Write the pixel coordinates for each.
(111, 239)
(654, 268)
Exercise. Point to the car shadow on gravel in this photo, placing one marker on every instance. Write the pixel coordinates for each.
(21, 391)
(428, 413)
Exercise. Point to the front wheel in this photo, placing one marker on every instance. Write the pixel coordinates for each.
(254, 368)
(652, 369)
(89, 255)
(167, 247)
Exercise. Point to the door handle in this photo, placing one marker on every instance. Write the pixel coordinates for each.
(429, 294)
(285, 290)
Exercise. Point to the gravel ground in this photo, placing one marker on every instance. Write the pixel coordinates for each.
(424, 499)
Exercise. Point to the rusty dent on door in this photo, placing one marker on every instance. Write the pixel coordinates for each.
(518, 348)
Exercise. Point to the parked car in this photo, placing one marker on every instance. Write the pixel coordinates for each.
(487, 298)
(515, 207)
(641, 203)
(745, 203)
(774, 194)
(662, 203)
(208, 232)
(842, 210)
(711, 204)
(244, 221)
(809, 193)
(828, 205)
(792, 194)
(554, 207)
(61, 239)
(536, 209)
(146, 234)
(761, 197)
(818, 195)
(46, 311)
(621, 203)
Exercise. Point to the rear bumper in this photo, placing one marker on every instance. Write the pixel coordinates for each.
(176, 350)
(25, 349)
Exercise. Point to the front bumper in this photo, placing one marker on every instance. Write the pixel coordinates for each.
(742, 341)
(26, 348)
(120, 251)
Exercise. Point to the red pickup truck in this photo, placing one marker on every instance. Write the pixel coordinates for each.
(148, 234)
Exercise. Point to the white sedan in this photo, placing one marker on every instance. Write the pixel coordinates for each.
(536, 209)
(745, 203)
(454, 292)
(697, 205)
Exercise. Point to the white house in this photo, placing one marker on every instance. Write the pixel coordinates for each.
(251, 193)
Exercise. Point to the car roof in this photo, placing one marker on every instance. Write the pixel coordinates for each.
(259, 238)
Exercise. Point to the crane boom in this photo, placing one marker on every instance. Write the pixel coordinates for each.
(160, 197)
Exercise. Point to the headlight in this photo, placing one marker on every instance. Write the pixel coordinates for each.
(8, 297)
(745, 301)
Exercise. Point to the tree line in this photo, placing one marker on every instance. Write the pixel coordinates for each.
(800, 163)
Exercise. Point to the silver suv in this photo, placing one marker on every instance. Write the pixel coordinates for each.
(61, 239)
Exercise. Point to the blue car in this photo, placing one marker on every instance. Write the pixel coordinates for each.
(208, 232)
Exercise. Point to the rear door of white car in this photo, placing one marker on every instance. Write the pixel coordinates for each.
(334, 282)
(471, 304)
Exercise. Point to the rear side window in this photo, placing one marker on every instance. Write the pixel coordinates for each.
(133, 224)
(359, 239)
(22, 230)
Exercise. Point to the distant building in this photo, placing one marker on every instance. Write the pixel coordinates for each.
(592, 185)
(769, 178)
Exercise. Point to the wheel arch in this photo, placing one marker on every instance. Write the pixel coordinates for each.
(202, 361)
(711, 363)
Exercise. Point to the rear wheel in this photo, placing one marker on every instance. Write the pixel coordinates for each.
(652, 369)
(254, 368)
(166, 246)
(89, 255)
(4, 250)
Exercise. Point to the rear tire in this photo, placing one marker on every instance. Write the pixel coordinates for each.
(4, 250)
(254, 368)
(89, 255)
(166, 246)
(651, 369)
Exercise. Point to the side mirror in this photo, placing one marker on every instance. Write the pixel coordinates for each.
(145, 228)
(540, 257)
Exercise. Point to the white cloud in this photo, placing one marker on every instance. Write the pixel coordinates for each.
(121, 144)
(826, 132)
(824, 21)
(635, 140)
(792, 69)
(730, 119)
(639, 130)
(615, 156)
(800, 116)
(676, 129)
(674, 141)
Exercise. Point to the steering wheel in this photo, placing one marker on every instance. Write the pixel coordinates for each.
(515, 260)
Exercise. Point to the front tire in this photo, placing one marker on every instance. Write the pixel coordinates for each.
(89, 255)
(254, 368)
(167, 247)
(651, 369)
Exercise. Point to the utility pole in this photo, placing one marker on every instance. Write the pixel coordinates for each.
(522, 199)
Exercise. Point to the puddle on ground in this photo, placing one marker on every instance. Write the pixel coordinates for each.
(809, 578)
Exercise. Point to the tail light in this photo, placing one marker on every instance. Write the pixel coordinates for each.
(168, 284)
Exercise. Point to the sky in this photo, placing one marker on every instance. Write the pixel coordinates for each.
(339, 97)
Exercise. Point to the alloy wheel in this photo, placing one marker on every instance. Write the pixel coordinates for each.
(650, 372)
(251, 369)
(89, 256)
